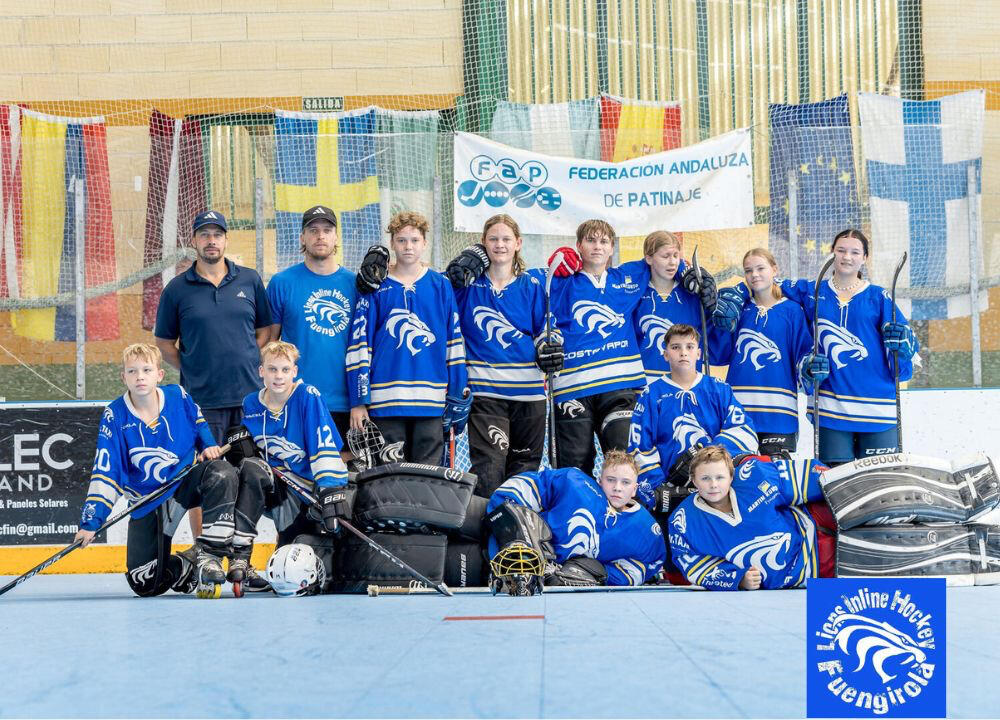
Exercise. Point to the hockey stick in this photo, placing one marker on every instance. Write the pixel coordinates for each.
(155, 495)
(311, 499)
(704, 324)
(895, 358)
(448, 449)
(819, 281)
(549, 396)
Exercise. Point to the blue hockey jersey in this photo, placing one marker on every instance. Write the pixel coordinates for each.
(767, 530)
(499, 329)
(595, 316)
(135, 459)
(667, 420)
(763, 355)
(860, 394)
(629, 542)
(406, 351)
(301, 437)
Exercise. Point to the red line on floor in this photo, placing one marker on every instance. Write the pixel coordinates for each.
(495, 617)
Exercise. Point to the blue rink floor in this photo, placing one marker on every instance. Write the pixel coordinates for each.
(82, 646)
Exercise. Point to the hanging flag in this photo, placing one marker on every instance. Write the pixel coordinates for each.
(566, 129)
(10, 201)
(918, 155)
(811, 148)
(175, 194)
(407, 160)
(633, 128)
(327, 159)
(58, 159)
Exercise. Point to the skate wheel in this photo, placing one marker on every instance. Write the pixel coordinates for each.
(238, 589)
(210, 592)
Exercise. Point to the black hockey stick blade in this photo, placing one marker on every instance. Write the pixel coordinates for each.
(895, 277)
(155, 495)
(819, 281)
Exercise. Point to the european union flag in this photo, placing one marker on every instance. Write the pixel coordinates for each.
(811, 147)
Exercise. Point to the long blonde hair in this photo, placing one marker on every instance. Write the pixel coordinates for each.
(658, 239)
(766, 254)
(518, 266)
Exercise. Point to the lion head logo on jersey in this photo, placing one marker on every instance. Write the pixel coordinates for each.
(654, 329)
(583, 537)
(409, 330)
(572, 408)
(679, 521)
(153, 461)
(746, 469)
(688, 431)
(593, 316)
(876, 640)
(836, 341)
(327, 310)
(764, 552)
(756, 346)
(494, 325)
(280, 448)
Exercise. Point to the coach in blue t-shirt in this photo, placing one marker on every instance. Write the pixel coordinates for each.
(312, 304)
(211, 323)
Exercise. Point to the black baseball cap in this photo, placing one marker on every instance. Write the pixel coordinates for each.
(318, 212)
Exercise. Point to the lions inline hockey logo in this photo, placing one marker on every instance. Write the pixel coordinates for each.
(281, 448)
(756, 346)
(746, 469)
(593, 316)
(877, 641)
(498, 437)
(143, 574)
(109, 414)
(679, 520)
(583, 537)
(764, 552)
(494, 325)
(687, 431)
(655, 330)
(328, 312)
(153, 461)
(393, 452)
(409, 330)
(836, 341)
(571, 408)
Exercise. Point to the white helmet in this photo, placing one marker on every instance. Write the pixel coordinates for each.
(294, 570)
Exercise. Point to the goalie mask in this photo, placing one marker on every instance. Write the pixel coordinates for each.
(295, 570)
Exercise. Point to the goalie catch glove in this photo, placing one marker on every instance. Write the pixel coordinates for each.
(467, 266)
(578, 572)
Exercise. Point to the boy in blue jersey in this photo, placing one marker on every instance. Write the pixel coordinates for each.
(292, 429)
(680, 413)
(311, 305)
(147, 437)
(768, 527)
(578, 530)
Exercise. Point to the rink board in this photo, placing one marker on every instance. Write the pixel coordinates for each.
(82, 646)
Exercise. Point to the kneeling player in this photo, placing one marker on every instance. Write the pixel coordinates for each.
(573, 529)
(292, 429)
(147, 437)
(757, 530)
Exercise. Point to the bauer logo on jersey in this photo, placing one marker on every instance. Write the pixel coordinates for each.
(494, 326)
(328, 312)
(583, 537)
(687, 431)
(876, 647)
(837, 341)
(497, 181)
(153, 461)
(654, 329)
(409, 330)
(593, 316)
(764, 552)
(756, 347)
(280, 448)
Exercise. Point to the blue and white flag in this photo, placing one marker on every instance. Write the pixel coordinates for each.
(917, 157)
(566, 129)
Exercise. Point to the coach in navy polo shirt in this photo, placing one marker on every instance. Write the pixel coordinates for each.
(211, 323)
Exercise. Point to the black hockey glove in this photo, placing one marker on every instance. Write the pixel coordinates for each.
(578, 572)
(679, 472)
(667, 497)
(374, 269)
(241, 445)
(336, 503)
(467, 266)
(705, 290)
(549, 356)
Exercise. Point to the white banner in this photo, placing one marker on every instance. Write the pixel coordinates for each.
(708, 186)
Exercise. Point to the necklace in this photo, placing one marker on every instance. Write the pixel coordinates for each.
(847, 289)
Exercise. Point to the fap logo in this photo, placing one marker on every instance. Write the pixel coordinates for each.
(875, 647)
(497, 182)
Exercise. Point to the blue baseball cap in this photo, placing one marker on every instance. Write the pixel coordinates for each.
(210, 217)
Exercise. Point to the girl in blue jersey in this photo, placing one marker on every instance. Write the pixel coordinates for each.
(405, 358)
(763, 351)
(502, 312)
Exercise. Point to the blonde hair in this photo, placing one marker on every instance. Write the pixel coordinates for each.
(616, 458)
(593, 227)
(660, 239)
(518, 265)
(712, 453)
(766, 254)
(281, 349)
(414, 219)
(143, 351)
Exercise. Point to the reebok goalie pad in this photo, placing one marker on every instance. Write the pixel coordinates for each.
(914, 551)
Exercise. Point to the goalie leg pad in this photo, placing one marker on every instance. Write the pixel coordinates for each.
(412, 497)
(510, 523)
(907, 551)
(474, 528)
(465, 565)
(579, 572)
(357, 565)
(616, 409)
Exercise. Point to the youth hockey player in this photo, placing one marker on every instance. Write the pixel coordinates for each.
(767, 527)
(502, 311)
(290, 424)
(579, 530)
(763, 350)
(679, 414)
(147, 437)
(406, 359)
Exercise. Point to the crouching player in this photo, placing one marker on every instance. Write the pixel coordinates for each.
(147, 437)
(759, 529)
(563, 527)
(293, 432)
